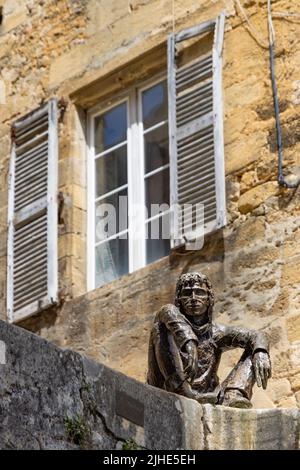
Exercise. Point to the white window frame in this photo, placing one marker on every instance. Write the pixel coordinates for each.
(135, 175)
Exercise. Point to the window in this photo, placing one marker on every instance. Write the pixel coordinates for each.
(154, 152)
(129, 162)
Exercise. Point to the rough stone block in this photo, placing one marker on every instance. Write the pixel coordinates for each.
(293, 328)
(255, 196)
(290, 273)
(244, 151)
(295, 382)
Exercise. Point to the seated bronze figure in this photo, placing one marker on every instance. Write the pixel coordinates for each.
(185, 349)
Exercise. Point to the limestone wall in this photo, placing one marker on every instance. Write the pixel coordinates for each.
(54, 399)
(85, 51)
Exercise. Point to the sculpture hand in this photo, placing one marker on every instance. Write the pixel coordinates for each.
(262, 368)
(192, 362)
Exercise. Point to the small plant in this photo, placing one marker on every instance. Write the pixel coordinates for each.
(130, 444)
(87, 387)
(77, 429)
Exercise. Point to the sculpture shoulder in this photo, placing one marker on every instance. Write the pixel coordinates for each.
(218, 330)
(167, 312)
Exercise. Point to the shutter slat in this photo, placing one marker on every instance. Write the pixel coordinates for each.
(28, 289)
(35, 182)
(30, 250)
(196, 177)
(202, 102)
(40, 183)
(199, 136)
(25, 260)
(30, 237)
(203, 156)
(186, 70)
(209, 209)
(194, 114)
(205, 198)
(202, 124)
(186, 194)
(32, 263)
(40, 128)
(198, 154)
(26, 156)
(32, 142)
(30, 228)
(35, 294)
(39, 193)
(32, 117)
(193, 74)
(35, 127)
(23, 176)
(191, 95)
(25, 269)
(204, 142)
(23, 165)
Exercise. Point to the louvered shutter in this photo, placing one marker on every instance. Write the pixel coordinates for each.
(32, 214)
(196, 132)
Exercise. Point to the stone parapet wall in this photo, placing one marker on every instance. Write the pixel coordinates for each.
(56, 399)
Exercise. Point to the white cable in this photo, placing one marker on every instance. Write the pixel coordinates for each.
(270, 24)
(257, 36)
(285, 14)
(173, 16)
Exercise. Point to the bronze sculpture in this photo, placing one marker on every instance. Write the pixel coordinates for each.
(185, 349)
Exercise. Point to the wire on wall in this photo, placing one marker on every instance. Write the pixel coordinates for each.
(281, 179)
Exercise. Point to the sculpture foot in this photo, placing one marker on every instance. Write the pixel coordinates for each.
(235, 399)
(186, 390)
(210, 398)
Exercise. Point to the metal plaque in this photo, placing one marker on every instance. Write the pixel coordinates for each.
(129, 408)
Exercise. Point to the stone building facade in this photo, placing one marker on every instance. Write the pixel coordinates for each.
(86, 53)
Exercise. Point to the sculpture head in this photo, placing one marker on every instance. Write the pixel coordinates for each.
(194, 295)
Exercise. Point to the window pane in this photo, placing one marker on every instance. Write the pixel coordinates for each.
(157, 189)
(111, 260)
(156, 148)
(109, 221)
(111, 128)
(111, 171)
(158, 242)
(155, 104)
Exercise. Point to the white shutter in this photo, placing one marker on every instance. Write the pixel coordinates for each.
(196, 131)
(32, 214)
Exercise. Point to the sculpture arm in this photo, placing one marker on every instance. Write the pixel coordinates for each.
(255, 341)
(228, 337)
(177, 324)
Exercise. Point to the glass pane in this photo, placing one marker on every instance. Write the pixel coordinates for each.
(111, 220)
(111, 128)
(111, 171)
(156, 148)
(157, 189)
(158, 242)
(111, 260)
(155, 104)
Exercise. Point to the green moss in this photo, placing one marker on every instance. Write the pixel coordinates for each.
(77, 429)
(130, 444)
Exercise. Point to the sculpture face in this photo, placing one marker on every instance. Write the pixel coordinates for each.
(194, 299)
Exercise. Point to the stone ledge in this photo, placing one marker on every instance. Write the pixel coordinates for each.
(56, 399)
